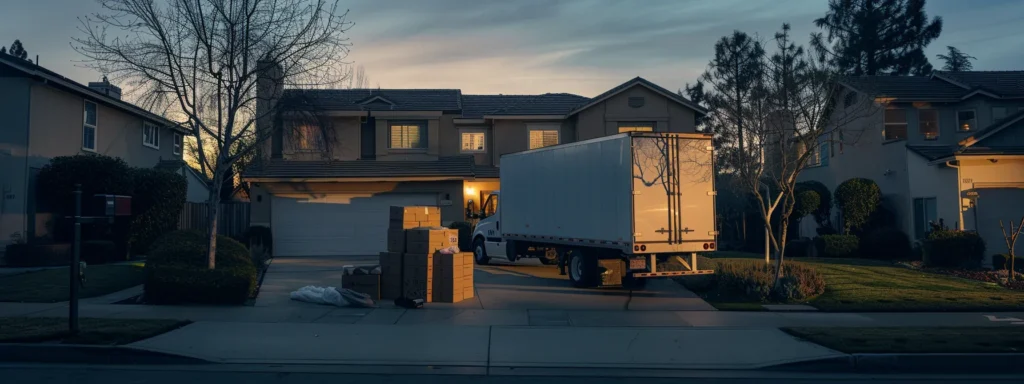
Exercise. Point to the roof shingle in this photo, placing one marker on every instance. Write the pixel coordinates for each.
(912, 88)
(1002, 83)
(477, 106)
(367, 99)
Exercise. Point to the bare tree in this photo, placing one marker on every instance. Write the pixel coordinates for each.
(201, 63)
(797, 109)
(1011, 240)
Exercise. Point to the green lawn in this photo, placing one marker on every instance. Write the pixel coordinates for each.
(92, 331)
(51, 285)
(859, 285)
(916, 339)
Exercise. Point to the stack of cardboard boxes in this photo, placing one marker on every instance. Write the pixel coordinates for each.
(414, 268)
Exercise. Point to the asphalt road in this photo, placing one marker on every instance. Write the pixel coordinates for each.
(43, 374)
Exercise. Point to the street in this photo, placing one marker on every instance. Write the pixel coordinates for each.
(43, 374)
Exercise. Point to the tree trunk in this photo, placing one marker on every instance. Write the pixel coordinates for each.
(782, 251)
(213, 205)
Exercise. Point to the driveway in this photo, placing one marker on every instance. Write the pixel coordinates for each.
(525, 285)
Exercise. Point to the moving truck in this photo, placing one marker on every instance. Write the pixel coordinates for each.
(610, 209)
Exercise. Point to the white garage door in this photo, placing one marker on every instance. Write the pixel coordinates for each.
(336, 224)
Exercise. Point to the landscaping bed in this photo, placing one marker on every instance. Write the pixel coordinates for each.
(915, 339)
(997, 276)
(92, 331)
(52, 285)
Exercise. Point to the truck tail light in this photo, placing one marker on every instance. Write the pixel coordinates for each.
(712, 245)
(705, 246)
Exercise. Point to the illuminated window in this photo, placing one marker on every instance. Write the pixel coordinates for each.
(408, 135)
(472, 142)
(966, 120)
(636, 127)
(542, 136)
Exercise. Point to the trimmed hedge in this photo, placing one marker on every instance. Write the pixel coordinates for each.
(837, 245)
(752, 281)
(857, 199)
(98, 174)
(176, 271)
(953, 249)
(156, 206)
(886, 244)
(824, 212)
(465, 234)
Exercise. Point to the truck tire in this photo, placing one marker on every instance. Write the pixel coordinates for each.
(480, 252)
(550, 257)
(583, 269)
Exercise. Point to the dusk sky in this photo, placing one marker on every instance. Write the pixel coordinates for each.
(537, 46)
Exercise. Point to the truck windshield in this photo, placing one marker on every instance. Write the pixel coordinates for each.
(490, 206)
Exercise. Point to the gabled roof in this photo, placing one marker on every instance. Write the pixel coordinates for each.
(363, 99)
(992, 129)
(649, 85)
(905, 88)
(33, 70)
(454, 166)
(933, 152)
(1009, 84)
(478, 106)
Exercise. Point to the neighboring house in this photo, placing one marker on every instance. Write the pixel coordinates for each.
(948, 146)
(402, 147)
(198, 186)
(47, 115)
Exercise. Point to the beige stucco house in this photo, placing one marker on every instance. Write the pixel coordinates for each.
(948, 146)
(329, 194)
(47, 115)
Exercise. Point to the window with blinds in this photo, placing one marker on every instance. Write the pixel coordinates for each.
(636, 127)
(540, 138)
(408, 135)
(472, 142)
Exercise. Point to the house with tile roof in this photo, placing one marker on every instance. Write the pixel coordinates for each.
(947, 147)
(330, 194)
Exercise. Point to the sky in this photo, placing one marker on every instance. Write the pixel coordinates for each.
(537, 46)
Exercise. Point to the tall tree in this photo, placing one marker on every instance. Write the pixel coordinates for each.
(17, 50)
(956, 60)
(876, 37)
(202, 61)
(732, 76)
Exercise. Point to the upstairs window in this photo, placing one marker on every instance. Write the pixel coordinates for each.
(966, 121)
(151, 135)
(929, 123)
(408, 135)
(636, 127)
(308, 138)
(543, 136)
(895, 124)
(89, 127)
(472, 142)
(178, 143)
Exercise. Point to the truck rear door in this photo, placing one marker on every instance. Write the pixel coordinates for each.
(673, 192)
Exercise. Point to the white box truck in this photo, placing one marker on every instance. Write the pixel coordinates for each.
(610, 209)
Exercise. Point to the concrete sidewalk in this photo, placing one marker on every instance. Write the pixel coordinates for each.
(495, 346)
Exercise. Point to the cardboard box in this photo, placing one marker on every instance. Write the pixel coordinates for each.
(449, 297)
(417, 287)
(422, 240)
(417, 260)
(396, 240)
(368, 284)
(414, 213)
(468, 293)
(390, 263)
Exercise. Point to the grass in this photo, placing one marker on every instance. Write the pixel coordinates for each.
(91, 331)
(916, 339)
(51, 285)
(861, 285)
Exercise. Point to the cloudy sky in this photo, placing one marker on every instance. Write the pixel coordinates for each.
(536, 46)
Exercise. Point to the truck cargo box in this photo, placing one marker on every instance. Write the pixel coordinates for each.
(640, 192)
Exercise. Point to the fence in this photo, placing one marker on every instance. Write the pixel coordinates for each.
(232, 218)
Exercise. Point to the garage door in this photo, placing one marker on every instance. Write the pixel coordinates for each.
(336, 224)
(1006, 204)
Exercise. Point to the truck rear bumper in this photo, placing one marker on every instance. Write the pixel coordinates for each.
(672, 273)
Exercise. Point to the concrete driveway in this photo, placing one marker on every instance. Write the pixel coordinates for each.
(525, 285)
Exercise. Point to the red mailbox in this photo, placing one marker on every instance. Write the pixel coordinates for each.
(114, 205)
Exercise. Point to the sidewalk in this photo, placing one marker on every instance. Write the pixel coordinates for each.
(482, 346)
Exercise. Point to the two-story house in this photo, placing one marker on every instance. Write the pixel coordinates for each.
(47, 115)
(433, 147)
(948, 146)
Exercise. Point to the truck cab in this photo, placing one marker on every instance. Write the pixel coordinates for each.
(488, 242)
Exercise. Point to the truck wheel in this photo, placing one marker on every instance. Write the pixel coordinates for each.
(550, 257)
(479, 252)
(582, 269)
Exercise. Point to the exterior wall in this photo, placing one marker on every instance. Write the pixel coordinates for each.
(56, 113)
(512, 136)
(197, 191)
(1009, 136)
(948, 123)
(603, 119)
(936, 181)
(451, 189)
(14, 106)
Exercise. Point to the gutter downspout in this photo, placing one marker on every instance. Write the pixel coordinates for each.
(959, 196)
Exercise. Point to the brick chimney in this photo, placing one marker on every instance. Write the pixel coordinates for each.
(106, 88)
(269, 88)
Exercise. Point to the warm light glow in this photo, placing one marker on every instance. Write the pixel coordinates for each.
(470, 191)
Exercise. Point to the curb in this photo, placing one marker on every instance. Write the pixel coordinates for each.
(89, 354)
(912, 363)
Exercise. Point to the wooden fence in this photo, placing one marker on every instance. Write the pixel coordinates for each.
(232, 220)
